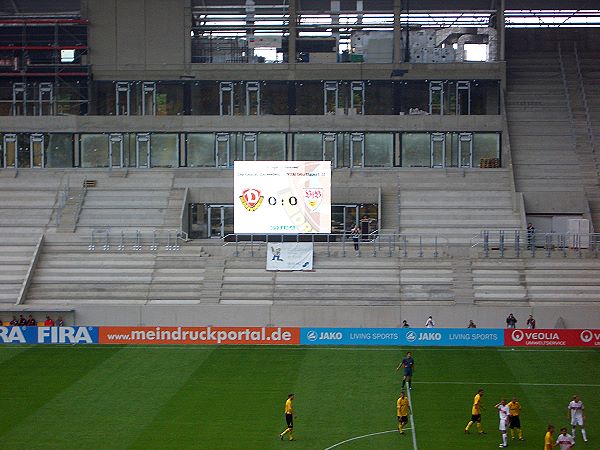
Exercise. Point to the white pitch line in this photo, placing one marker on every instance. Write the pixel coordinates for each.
(505, 384)
(362, 437)
(412, 420)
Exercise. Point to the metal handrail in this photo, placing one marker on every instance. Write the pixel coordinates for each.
(525, 240)
(590, 128)
(105, 239)
(387, 244)
(63, 196)
(82, 195)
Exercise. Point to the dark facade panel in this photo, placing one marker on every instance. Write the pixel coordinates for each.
(23, 7)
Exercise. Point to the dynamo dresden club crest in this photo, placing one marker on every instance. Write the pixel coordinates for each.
(251, 199)
(313, 197)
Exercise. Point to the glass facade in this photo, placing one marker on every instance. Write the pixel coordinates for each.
(343, 149)
(94, 150)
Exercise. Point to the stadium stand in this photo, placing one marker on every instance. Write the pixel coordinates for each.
(120, 155)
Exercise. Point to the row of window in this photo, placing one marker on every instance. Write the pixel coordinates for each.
(253, 98)
(344, 149)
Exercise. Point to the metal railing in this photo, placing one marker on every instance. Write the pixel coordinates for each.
(590, 128)
(104, 239)
(82, 195)
(488, 244)
(373, 244)
(63, 196)
(524, 243)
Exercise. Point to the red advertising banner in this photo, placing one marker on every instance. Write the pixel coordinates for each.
(199, 335)
(551, 338)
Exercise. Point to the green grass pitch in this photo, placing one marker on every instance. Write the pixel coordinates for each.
(118, 397)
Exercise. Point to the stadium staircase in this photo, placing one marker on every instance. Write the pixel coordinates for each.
(340, 281)
(457, 203)
(544, 154)
(68, 273)
(589, 75)
(27, 200)
(576, 93)
(143, 199)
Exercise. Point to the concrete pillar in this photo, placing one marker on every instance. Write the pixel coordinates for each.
(293, 33)
(397, 57)
(501, 30)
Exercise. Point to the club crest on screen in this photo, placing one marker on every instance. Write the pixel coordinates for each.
(251, 199)
(313, 197)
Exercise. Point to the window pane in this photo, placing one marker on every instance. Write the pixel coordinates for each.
(274, 98)
(94, 150)
(485, 145)
(201, 150)
(105, 98)
(344, 143)
(164, 150)
(309, 98)
(379, 98)
(308, 147)
(169, 99)
(414, 97)
(205, 98)
(416, 150)
(485, 97)
(271, 146)
(60, 150)
(379, 149)
(5, 97)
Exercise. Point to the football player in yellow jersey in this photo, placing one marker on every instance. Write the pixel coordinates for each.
(476, 413)
(548, 439)
(402, 410)
(289, 418)
(514, 419)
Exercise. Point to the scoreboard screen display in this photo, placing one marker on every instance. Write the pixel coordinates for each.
(282, 197)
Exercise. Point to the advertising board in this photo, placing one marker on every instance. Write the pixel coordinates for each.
(48, 335)
(552, 338)
(480, 337)
(199, 335)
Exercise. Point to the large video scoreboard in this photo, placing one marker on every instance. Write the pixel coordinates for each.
(282, 197)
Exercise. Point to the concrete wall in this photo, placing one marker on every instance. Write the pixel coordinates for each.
(137, 35)
(98, 124)
(331, 316)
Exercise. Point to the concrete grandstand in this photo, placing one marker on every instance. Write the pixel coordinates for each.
(450, 128)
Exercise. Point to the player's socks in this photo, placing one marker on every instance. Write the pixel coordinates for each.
(403, 383)
(584, 434)
(480, 429)
(469, 425)
(573, 432)
(291, 435)
(520, 434)
(505, 439)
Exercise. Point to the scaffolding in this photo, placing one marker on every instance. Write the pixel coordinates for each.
(44, 68)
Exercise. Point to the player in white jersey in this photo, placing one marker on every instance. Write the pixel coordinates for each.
(577, 411)
(503, 413)
(565, 440)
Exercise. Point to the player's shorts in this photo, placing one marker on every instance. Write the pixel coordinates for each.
(514, 421)
(502, 426)
(577, 420)
(403, 419)
(408, 372)
(289, 419)
(476, 417)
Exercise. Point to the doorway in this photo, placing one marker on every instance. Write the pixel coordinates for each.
(220, 219)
